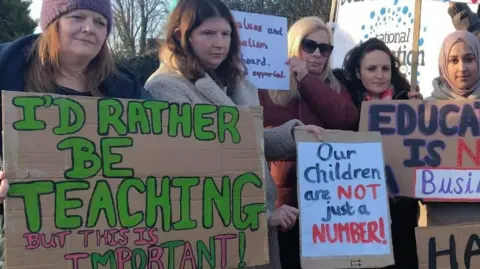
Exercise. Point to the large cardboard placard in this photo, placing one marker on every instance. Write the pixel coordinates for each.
(452, 246)
(431, 147)
(112, 183)
(343, 201)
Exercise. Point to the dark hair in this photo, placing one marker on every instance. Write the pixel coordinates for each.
(187, 16)
(351, 65)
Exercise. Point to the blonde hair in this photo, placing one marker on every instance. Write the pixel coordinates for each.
(44, 54)
(297, 32)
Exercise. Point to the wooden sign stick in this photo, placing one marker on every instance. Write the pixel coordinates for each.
(417, 23)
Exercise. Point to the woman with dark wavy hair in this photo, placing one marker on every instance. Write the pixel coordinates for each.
(201, 65)
(372, 72)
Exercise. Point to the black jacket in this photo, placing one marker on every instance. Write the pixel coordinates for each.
(14, 61)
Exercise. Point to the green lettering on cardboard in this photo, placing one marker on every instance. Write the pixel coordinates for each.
(139, 254)
(101, 200)
(221, 200)
(252, 211)
(180, 118)
(85, 161)
(137, 118)
(128, 220)
(185, 184)
(30, 193)
(104, 260)
(228, 125)
(171, 245)
(161, 200)
(109, 158)
(29, 105)
(156, 109)
(62, 204)
(204, 253)
(202, 121)
(110, 112)
(72, 116)
(242, 245)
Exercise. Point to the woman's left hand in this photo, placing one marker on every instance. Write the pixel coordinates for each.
(415, 96)
(4, 186)
(313, 129)
(284, 217)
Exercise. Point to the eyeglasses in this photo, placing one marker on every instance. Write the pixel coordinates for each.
(310, 46)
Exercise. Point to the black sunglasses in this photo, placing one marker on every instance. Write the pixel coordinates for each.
(310, 46)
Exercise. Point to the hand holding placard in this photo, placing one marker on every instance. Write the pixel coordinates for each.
(299, 68)
(284, 217)
(4, 186)
(313, 129)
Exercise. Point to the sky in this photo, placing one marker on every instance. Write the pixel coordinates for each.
(35, 10)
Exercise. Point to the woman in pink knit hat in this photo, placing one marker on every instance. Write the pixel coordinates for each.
(70, 57)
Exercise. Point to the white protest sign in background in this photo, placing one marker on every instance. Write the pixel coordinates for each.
(443, 184)
(389, 20)
(392, 22)
(343, 200)
(462, 1)
(437, 21)
(264, 49)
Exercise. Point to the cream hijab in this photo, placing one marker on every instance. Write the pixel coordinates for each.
(443, 86)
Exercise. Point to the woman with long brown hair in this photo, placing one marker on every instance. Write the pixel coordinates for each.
(201, 65)
(70, 57)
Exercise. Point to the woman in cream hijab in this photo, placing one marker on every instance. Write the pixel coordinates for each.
(459, 79)
(459, 68)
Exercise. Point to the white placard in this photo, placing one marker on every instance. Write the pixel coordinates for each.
(447, 184)
(392, 22)
(264, 49)
(343, 200)
(461, 1)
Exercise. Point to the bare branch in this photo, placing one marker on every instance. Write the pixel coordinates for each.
(135, 21)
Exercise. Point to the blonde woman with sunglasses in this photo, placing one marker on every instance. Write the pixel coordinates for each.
(316, 98)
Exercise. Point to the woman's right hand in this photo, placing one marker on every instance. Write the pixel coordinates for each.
(298, 67)
(283, 217)
(4, 186)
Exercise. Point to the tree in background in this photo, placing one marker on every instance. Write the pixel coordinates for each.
(135, 22)
(15, 20)
(292, 10)
(143, 61)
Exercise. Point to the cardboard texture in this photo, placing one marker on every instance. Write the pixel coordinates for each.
(449, 247)
(427, 134)
(363, 261)
(188, 200)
